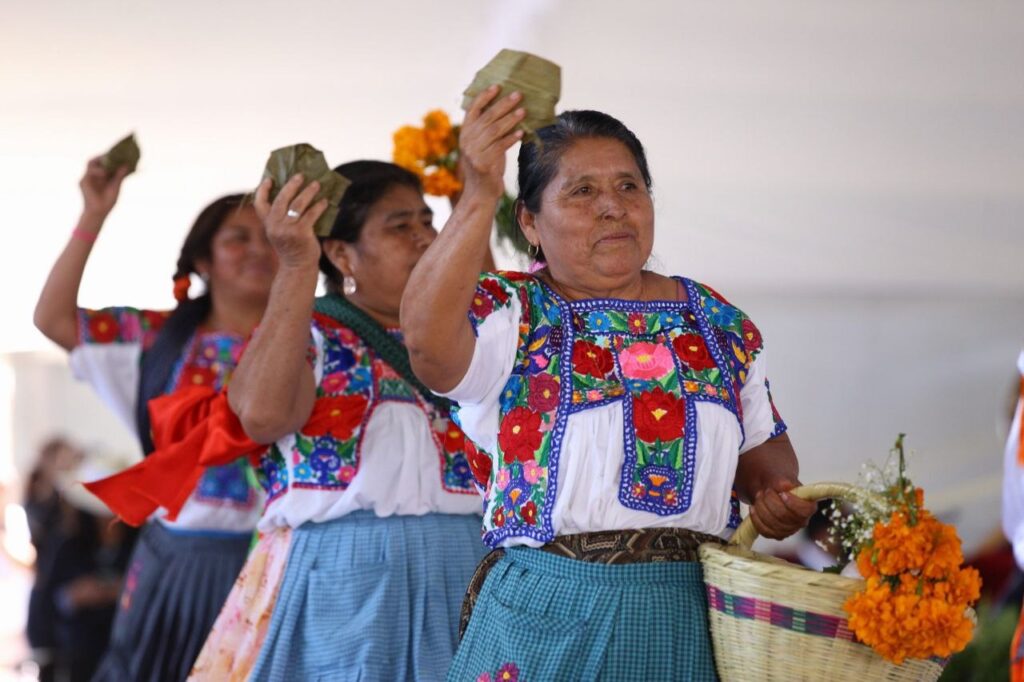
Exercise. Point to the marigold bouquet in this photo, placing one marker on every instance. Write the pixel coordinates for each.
(917, 592)
(432, 153)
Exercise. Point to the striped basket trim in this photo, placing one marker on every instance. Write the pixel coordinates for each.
(805, 622)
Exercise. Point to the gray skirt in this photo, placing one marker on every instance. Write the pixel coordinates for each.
(174, 589)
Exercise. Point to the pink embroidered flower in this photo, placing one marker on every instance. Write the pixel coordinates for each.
(131, 327)
(531, 471)
(539, 360)
(484, 677)
(710, 390)
(646, 361)
(509, 672)
(593, 395)
(502, 479)
(346, 474)
(335, 383)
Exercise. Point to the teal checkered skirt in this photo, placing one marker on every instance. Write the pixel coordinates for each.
(541, 617)
(368, 598)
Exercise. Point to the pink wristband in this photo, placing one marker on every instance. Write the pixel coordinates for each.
(84, 235)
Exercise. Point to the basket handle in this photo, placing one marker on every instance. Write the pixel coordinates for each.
(747, 533)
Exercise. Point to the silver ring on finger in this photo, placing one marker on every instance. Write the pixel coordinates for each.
(293, 214)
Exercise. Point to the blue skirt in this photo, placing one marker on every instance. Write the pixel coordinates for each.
(545, 617)
(175, 586)
(368, 598)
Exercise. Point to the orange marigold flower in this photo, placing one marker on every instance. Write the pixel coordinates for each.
(442, 183)
(438, 134)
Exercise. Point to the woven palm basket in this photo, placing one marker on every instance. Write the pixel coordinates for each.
(773, 620)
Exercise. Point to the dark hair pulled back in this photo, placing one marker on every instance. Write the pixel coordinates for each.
(539, 158)
(370, 180)
(159, 360)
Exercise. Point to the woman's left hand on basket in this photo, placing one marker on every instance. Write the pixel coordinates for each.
(777, 513)
(289, 221)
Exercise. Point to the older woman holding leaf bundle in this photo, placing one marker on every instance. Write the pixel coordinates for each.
(182, 569)
(621, 408)
(365, 465)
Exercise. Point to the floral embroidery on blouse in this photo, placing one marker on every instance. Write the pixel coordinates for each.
(120, 324)
(658, 358)
(326, 453)
(208, 359)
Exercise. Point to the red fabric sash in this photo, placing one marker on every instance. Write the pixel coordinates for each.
(194, 428)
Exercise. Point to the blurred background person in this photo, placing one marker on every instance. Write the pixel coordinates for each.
(182, 570)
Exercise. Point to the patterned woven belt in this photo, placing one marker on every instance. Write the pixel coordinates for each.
(646, 545)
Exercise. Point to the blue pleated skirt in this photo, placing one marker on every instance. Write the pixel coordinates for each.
(175, 586)
(368, 598)
(545, 617)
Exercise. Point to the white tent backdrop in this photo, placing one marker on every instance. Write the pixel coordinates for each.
(850, 173)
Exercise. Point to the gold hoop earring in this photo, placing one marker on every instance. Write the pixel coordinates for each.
(533, 250)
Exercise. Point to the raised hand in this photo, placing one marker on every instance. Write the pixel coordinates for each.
(100, 188)
(289, 221)
(487, 133)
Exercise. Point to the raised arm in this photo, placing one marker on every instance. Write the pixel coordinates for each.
(56, 314)
(440, 290)
(273, 389)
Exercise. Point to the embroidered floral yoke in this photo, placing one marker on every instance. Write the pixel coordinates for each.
(409, 456)
(672, 391)
(111, 345)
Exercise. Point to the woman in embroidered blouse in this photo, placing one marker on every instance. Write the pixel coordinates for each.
(622, 408)
(365, 466)
(181, 571)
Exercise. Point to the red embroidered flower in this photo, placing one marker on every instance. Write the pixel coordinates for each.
(454, 438)
(751, 336)
(637, 323)
(499, 517)
(153, 320)
(543, 392)
(692, 350)
(492, 287)
(336, 416)
(529, 513)
(592, 360)
(520, 434)
(479, 463)
(482, 306)
(103, 327)
(658, 415)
